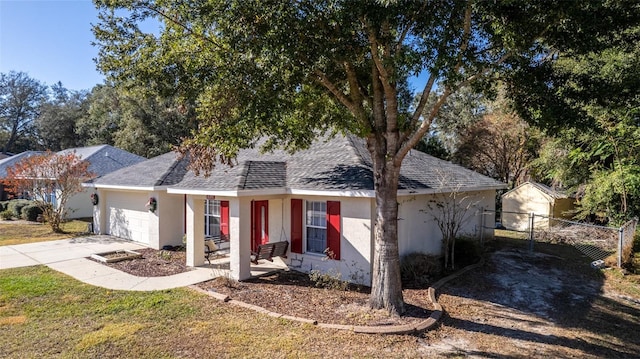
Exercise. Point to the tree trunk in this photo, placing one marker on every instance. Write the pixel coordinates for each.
(386, 286)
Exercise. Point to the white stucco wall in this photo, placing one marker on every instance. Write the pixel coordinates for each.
(355, 245)
(419, 232)
(170, 218)
(79, 205)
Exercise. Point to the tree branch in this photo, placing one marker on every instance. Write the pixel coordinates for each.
(183, 26)
(356, 109)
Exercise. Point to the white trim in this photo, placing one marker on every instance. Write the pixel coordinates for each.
(296, 192)
(275, 191)
(413, 192)
(127, 188)
(325, 193)
(202, 192)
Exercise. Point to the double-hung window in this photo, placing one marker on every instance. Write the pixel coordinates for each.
(212, 218)
(316, 225)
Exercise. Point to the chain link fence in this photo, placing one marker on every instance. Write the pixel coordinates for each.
(600, 243)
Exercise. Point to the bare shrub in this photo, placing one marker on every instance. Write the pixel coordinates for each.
(418, 270)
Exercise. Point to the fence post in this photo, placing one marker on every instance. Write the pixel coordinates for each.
(620, 240)
(482, 227)
(531, 233)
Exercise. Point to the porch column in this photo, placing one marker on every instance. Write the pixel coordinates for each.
(195, 231)
(240, 233)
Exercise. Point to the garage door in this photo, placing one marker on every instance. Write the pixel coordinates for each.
(127, 216)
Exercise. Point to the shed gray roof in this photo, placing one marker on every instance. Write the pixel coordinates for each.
(551, 192)
(341, 163)
(10, 161)
(105, 159)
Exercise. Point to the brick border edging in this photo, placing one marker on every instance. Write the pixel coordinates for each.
(422, 326)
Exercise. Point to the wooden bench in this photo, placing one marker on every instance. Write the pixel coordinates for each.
(270, 250)
(211, 245)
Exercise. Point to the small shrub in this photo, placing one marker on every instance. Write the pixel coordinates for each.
(228, 281)
(6, 215)
(467, 251)
(16, 205)
(329, 280)
(30, 212)
(3, 206)
(166, 255)
(418, 270)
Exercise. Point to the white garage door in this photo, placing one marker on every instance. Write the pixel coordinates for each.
(127, 216)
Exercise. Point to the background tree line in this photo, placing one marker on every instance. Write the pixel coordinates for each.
(34, 116)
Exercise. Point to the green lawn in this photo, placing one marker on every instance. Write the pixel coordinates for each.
(19, 232)
(46, 314)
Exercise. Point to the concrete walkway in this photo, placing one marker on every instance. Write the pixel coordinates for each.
(69, 256)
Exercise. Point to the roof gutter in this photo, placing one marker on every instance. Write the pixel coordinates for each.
(126, 188)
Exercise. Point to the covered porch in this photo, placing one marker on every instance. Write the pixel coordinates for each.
(221, 267)
(244, 222)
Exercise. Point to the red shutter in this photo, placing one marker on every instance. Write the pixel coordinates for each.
(333, 228)
(296, 225)
(224, 220)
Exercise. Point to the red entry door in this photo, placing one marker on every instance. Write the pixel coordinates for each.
(260, 224)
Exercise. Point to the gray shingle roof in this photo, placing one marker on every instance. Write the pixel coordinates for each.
(105, 159)
(338, 163)
(551, 192)
(10, 161)
(163, 170)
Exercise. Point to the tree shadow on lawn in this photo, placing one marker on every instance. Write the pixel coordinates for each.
(603, 348)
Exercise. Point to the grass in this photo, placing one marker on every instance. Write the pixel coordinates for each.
(47, 314)
(19, 232)
(628, 282)
(44, 313)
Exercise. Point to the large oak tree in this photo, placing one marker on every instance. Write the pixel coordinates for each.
(287, 70)
(21, 98)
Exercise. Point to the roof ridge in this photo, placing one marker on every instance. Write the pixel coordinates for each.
(166, 173)
(244, 174)
(362, 159)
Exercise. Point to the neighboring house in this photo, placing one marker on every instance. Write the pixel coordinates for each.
(8, 162)
(315, 199)
(102, 159)
(531, 197)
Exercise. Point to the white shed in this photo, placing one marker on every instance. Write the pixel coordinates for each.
(532, 197)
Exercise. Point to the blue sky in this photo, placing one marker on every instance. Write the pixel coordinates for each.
(50, 40)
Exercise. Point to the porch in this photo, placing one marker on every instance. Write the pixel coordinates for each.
(243, 223)
(221, 265)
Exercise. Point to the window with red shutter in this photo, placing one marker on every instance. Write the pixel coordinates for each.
(321, 223)
(333, 229)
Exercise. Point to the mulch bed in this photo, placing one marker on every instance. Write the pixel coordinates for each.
(293, 293)
(287, 292)
(153, 263)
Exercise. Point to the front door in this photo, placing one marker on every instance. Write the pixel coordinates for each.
(260, 224)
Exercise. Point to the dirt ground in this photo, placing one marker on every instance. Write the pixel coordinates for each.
(517, 305)
(522, 304)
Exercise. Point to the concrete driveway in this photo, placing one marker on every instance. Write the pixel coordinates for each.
(69, 256)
